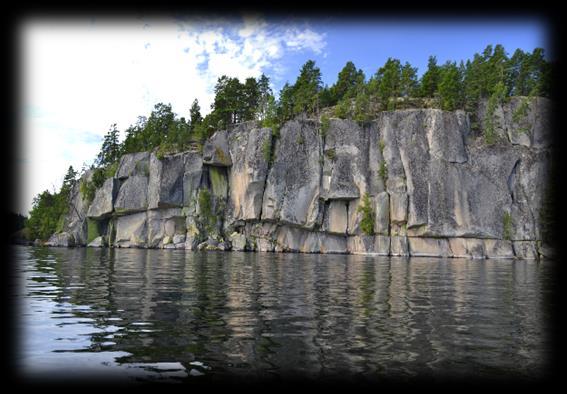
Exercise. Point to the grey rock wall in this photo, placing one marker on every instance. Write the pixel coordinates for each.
(435, 188)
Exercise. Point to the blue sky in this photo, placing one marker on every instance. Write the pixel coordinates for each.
(80, 76)
(369, 43)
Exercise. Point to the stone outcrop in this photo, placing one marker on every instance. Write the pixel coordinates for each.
(250, 150)
(61, 239)
(103, 203)
(165, 184)
(292, 191)
(435, 187)
(133, 164)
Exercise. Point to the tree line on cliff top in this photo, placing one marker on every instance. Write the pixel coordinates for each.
(491, 75)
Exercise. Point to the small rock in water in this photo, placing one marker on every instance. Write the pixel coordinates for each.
(195, 372)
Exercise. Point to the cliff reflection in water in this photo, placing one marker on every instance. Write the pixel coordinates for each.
(216, 314)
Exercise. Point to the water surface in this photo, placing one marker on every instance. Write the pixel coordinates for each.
(174, 315)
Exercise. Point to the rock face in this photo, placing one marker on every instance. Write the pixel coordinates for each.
(215, 150)
(133, 195)
(165, 184)
(61, 239)
(435, 188)
(250, 150)
(292, 189)
(133, 164)
(103, 202)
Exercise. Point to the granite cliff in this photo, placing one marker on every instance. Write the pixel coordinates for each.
(435, 188)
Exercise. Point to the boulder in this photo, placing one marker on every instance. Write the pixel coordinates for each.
(165, 185)
(178, 239)
(264, 245)
(133, 164)
(98, 242)
(61, 239)
(163, 225)
(133, 195)
(131, 230)
(103, 202)
(238, 242)
(215, 150)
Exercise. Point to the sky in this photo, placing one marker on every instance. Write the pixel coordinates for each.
(80, 76)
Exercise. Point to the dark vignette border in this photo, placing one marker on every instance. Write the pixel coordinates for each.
(484, 11)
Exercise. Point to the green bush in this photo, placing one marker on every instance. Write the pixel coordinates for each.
(110, 170)
(87, 190)
(267, 149)
(367, 222)
(342, 110)
(495, 99)
(522, 111)
(99, 176)
(325, 124)
(331, 153)
(207, 215)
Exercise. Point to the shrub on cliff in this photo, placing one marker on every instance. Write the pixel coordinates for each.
(367, 222)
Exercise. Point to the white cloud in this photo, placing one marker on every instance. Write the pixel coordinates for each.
(298, 39)
(79, 77)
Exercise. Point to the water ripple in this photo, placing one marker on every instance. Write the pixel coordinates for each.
(146, 314)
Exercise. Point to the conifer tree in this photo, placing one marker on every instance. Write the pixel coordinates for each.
(450, 87)
(306, 89)
(430, 78)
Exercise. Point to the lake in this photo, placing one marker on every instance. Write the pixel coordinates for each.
(139, 315)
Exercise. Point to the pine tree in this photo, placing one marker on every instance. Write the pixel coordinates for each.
(306, 89)
(450, 87)
(69, 179)
(158, 125)
(388, 83)
(195, 115)
(348, 83)
(250, 99)
(228, 105)
(430, 78)
(286, 103)
(110, 150)
(408, 80)
(264, 94)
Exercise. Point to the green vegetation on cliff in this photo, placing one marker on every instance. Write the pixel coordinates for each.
(367, 221)
(49, 209)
